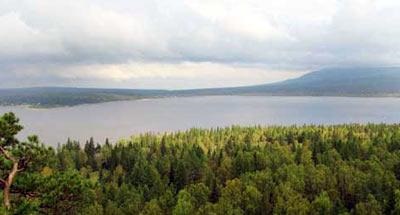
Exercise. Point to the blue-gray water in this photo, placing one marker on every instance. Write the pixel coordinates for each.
(122, 119)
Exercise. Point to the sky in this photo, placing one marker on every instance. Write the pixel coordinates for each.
(176, 44)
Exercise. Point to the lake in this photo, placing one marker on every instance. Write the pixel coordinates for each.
(125, 118)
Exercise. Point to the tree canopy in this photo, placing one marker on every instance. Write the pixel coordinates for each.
(337, 169)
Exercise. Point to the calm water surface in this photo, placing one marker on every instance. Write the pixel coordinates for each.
(122, 119)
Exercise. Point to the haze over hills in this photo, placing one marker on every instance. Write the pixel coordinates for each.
(335, 82)
(326, 82)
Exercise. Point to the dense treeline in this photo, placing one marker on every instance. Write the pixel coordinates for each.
(345, 169)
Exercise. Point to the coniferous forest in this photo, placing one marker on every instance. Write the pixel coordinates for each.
(338, 169)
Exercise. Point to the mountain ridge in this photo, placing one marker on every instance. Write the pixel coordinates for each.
(354, 81)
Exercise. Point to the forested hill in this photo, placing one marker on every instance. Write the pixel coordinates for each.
(327, 82)
(64, 96)
(336, 82)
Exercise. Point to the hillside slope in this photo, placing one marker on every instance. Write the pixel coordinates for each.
(338, 82)
(328, 82)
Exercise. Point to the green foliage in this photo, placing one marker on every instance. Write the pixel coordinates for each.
(184, 205)
(344, 169)
(397, 203)
(369, 207)
(274, 170)
(152, 208)
(322, 204)
(94, 209)
(65, 193)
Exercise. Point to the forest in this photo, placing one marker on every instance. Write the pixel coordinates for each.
(310, 169)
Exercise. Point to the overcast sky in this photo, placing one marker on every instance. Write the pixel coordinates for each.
(190, 43)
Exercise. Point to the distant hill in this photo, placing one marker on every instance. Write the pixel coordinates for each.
(64, 96)
(328, 82)
(377, 82)
(334, 82)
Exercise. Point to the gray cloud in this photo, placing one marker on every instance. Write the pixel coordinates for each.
(42, 41)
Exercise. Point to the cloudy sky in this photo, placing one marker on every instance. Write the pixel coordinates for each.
(190, 43)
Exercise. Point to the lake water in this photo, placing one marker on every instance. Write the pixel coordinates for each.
(124, 118)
